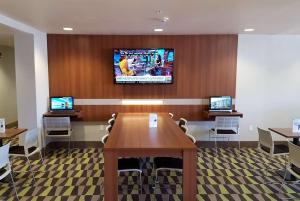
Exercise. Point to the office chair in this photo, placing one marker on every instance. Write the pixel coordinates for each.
(29, 149)
(108, 128)
(182, 122)
(169, 163)
(5, 167)
(267, 146)
(171, 115)
(224, 128)
(127, 164)
(58, 127)
(111, 121)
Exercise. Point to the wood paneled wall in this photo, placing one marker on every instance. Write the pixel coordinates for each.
(82, 66)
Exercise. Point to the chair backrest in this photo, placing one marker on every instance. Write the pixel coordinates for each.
(294, 154)
(182, 122)
(104, 138)
(108, 128)
(184, 128)
(114, 115)
(191, 138)
(265, 139)
(227, 123)
(31, 139)
(171, 114)
(57, 123)
(111, 121)
(4, 155)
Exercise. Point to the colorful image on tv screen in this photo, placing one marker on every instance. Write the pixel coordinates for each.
(61, 103)
(220, 103)
(143, 65)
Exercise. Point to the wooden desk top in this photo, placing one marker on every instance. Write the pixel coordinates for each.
(286, 132)
(131, 131)
(76, 114)
(11, 133)
(209, 114)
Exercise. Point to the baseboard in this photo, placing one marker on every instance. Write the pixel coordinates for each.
(200, 144)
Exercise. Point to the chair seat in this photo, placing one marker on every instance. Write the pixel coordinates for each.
(278, 149)
(168, 162)
(128, 163)
(2, 171)
(20, 150)
(66, 132)
(224, 131)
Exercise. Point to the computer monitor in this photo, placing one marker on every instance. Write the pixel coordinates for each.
(61, 103)
(220, 103)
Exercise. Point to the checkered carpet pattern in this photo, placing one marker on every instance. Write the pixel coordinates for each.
(229, 175)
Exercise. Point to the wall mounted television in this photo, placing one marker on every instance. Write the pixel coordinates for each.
(60, 103)
(144, 66)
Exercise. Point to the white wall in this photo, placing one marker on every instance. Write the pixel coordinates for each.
(268, 82)
(8, 99)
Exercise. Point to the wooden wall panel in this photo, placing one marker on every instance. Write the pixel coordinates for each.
(82, 66)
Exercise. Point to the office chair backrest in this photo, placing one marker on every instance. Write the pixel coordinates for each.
(227, 123)
(265, 139)
(184, 128)
(111, 121)
(108, 128)
(57, 123)
(294, 155)
(114, 115)
(31, 139)
(4, 155)
(191, 138)
(171, 114)
(104, 138)
(182, 122)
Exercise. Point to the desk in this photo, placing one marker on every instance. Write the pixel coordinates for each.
(132, 137)
(11, 133)
(288, 133)
(75, 114)
(208, 114)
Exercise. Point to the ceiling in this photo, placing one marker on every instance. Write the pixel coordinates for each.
(141, 16)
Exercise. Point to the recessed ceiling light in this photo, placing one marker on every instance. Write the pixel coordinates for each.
(158, 30)
(249, 30)
(68, 29)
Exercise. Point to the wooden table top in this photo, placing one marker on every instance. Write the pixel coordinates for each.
(209, 114)
(131, 131)
(12, 132)
(286, 132)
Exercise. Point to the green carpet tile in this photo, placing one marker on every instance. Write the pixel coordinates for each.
(79, 176)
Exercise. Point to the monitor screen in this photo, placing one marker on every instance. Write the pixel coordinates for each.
(61, 103)
(143, 66)
(220, 103)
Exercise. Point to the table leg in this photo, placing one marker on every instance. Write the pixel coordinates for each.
(189, 175)
(110, 175)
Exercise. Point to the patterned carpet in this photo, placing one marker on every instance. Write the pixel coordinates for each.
(79, 176)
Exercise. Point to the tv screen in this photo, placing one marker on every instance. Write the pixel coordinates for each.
(143, 66)
(61, 103)
(220, 103)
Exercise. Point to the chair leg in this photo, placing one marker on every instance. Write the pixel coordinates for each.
(30, 168)
(156, 177)
(216, 146)
(141, 184)
(41, 157)
(13, 183)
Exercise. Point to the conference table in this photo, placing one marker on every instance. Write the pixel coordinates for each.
(131, 136)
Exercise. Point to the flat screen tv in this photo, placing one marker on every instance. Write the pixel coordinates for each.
(61, 103)
(145, 66)
(220, 103)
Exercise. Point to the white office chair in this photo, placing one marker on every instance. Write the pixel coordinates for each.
(182, 122)
(225, 127)
(30, 148)
(111, 121)
(114, 115)
(5, 167)
(108, 128)
(127, 164)
(267, 146)
(171, 115)
(169, 163)
(58, 127)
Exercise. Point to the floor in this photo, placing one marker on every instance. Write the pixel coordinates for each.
(79, 176)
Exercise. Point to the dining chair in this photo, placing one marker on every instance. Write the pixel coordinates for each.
(5, 166)
(225, 127)
(182, 122)
(267, 146)
(30, 148)
(111, 121)
(127, 164)
(171, 115)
